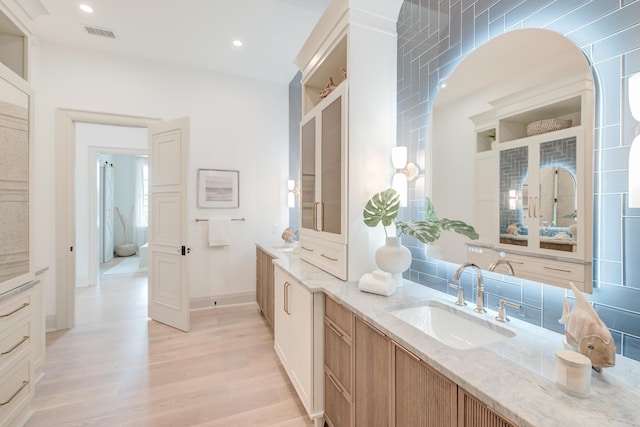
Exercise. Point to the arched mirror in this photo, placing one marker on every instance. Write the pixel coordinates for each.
(510, 147)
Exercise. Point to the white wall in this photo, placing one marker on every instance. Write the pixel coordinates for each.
(236, 123)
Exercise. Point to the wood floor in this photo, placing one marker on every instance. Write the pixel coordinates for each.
(118, 368)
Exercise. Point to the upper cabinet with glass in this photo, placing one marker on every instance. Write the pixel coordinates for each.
(530, 147)
(348, 66)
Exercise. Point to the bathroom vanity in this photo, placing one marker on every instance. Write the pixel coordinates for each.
(371, 368)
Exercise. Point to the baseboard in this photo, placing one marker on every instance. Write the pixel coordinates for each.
(50, 323)
(200, 303)
(214, 301)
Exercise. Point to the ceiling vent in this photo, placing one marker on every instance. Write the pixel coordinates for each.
(102, 32)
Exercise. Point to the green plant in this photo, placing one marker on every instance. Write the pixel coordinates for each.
(383, 208)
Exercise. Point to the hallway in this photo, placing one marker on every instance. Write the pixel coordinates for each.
(118, 368)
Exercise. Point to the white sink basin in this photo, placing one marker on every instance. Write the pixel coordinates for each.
(452, 326)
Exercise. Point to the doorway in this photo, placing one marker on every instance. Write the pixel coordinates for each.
(110, 160)
(122, 215)
(80, 155)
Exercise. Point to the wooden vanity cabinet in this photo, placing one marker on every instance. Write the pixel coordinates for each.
(370, 380)
(264, 284)
(422, 397)
(473, 413)
(372, 354)
(338, 364)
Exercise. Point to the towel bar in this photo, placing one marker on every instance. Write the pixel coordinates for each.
(232, 219)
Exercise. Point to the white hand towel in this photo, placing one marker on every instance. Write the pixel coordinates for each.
(378, 282)
(219, 232)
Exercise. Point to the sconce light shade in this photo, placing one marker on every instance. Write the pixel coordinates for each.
(399, 184)
(634, 173)
(292, 192)
(399, 157)
(634, 95)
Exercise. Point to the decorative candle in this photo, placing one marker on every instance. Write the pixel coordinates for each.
(573, 373)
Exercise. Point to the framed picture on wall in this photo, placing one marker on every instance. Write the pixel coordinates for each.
(218, 188)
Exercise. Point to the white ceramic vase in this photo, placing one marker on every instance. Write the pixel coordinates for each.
(393, 258)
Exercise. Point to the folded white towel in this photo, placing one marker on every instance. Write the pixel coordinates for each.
(219, 232)
(378, 282)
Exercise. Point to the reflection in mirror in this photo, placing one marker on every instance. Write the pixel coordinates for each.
(527, 61)
(14, 182)
(557, 197)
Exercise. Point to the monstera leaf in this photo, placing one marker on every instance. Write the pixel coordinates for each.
(425, 231)
(459, 227)
(382, 207)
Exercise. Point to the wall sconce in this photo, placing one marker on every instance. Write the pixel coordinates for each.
(405, 172)
(292, 193)
(634, 153)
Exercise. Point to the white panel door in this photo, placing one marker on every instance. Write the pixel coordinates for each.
(168, 272)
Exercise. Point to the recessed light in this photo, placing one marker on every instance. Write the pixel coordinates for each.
(86, 8)
(237, 43)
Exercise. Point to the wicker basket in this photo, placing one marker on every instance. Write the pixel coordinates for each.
(548, 125)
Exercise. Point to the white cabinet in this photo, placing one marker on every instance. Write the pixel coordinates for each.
(346, 136)
(298, 340)
(20, 337)
(323, 184)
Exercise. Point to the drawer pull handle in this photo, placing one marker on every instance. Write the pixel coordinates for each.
(24, 384)
(335, 331)
(286, 297)
(558, 269)
(328, 257)
(335, 383)
(25, 305)
(306, 249)
(4, 353)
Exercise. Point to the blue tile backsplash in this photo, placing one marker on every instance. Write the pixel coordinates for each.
(434, 36)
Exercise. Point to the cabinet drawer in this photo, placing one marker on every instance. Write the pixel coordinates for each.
(548, 271)
(14, 343)
(15, 309)
(329, 256)
(339, 315)
(15, 393)
(337, 408)
(337, 356)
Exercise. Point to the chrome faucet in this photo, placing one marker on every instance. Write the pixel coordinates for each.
(479, 298)
(497, 262)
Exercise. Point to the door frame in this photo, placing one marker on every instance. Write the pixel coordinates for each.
(65, 141)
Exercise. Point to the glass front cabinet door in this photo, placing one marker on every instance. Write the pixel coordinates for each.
(323, 162)
(539, 196)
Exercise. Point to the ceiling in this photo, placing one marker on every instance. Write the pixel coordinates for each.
(192, 33)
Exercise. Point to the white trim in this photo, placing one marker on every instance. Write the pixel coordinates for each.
(65, 140)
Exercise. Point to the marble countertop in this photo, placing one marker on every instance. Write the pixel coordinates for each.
(515, 377)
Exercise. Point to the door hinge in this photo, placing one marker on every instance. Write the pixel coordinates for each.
(185, 250)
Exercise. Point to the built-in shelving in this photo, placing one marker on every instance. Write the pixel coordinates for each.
(332, 68)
